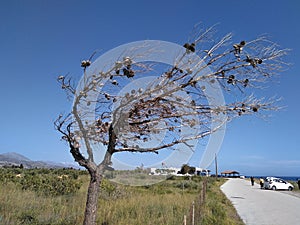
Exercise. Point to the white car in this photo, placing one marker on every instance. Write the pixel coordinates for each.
(275, 183)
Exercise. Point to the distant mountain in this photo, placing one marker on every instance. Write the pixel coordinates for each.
(15, 159)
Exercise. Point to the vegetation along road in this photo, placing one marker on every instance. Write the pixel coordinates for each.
(262, 207)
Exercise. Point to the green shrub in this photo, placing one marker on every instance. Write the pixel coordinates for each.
(50, 185)
(43, 181)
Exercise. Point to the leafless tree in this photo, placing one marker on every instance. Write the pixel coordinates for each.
(174, 102)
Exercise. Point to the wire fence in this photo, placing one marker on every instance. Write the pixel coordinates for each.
(197, 206)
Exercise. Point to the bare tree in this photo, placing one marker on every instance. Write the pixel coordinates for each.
(173, 103)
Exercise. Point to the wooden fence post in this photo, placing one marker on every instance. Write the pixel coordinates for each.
(193, 213)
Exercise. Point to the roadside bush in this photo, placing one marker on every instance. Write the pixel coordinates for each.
(295, 184)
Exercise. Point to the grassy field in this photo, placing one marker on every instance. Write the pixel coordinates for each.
(26, 197)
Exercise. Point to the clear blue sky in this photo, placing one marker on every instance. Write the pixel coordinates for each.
(43, 39)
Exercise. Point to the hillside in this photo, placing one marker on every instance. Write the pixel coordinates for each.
(15, 159)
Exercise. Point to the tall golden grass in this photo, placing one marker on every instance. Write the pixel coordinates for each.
(165, 203)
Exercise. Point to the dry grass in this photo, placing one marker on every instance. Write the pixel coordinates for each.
(26, 207)
(219, 210)
(164, 203)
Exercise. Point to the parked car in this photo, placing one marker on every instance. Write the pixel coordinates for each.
(275, 183)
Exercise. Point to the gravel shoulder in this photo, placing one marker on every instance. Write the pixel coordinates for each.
(262, 207)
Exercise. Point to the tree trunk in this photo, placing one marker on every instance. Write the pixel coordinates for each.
(96, 173)
(92, 199)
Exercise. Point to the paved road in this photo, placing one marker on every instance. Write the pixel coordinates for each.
(262, 207)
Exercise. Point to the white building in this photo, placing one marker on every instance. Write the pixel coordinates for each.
(175, 171)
